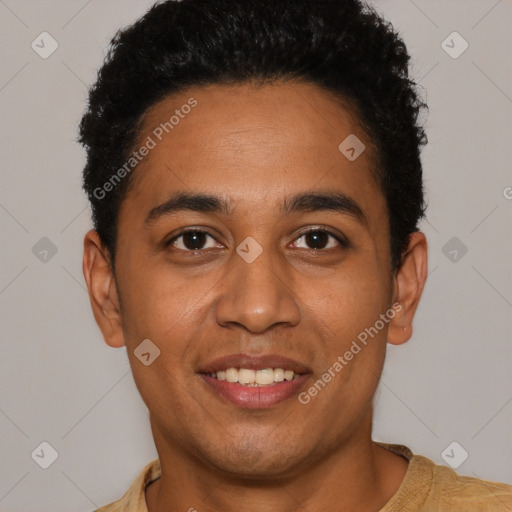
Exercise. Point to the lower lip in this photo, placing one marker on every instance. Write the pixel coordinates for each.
(255, 397)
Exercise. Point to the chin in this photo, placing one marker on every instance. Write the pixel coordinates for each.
(253, 460)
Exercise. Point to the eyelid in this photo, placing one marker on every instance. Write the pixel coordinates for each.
(340, 238)
(185, 231)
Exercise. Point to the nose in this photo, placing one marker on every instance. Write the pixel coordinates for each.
(258, 295)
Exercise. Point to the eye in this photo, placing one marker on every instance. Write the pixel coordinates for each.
(194, 240)
(191, 240)
(318, 239)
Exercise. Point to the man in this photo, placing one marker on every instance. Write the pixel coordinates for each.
(255, 177)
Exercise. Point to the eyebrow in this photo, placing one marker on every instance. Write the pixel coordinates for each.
(304, 202)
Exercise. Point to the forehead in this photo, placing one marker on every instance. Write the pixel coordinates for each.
(250, 142)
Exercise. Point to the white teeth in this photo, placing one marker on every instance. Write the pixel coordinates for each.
(279, 375)
(246, 376)
(265, 376)
(232, 375)
(252, 378)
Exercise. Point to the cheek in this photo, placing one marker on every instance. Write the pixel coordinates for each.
(160, 309)
(353, 350)
(350, 302)
(165, 392)
(155, 303)
(348, 313)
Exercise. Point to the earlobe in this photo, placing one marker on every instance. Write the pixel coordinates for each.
(101, 285)
(409, 283)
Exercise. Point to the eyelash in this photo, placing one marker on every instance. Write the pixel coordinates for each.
(341, 241)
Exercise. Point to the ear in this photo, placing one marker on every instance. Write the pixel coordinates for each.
(409, 282)
(101, 284)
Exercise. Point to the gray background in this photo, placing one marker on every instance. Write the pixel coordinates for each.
(61, 384)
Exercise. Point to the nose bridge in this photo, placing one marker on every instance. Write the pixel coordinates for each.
(257, 295)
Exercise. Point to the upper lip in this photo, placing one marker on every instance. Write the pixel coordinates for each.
(252, 362)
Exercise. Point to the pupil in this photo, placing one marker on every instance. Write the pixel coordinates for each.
(317, 239)
(193, 240)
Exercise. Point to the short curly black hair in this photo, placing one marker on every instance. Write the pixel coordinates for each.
(343, 46)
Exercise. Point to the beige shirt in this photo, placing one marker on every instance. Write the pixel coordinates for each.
(426, 487)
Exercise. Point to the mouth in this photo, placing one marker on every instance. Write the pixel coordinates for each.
(254, 382)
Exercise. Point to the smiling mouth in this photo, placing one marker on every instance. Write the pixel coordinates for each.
(254, 382)
(254, 378)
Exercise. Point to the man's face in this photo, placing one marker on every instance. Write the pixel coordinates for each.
(204, 296)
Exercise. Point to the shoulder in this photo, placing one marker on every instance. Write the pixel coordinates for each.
(449, 489)
(429, 487)
(134, 499)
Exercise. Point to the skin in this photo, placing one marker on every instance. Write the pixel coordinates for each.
(254, 146)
